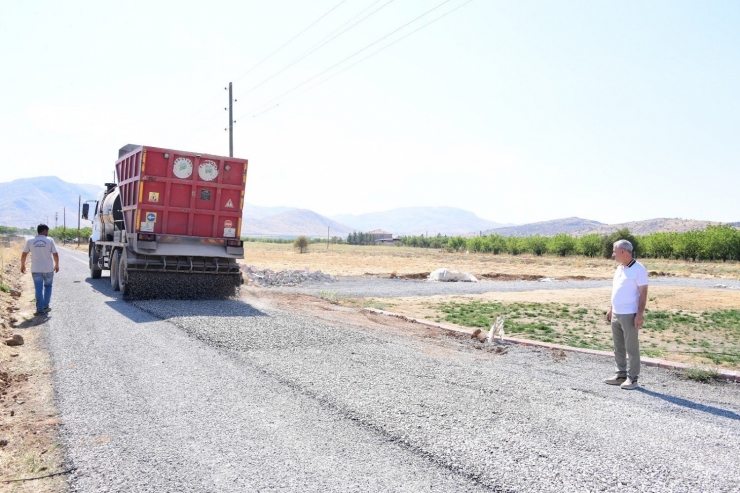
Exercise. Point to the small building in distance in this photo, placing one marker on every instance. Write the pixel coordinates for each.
(381, 237)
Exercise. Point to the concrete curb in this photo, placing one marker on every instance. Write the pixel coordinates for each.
(732, 376)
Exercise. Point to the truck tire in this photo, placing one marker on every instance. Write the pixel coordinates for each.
(95, 271)
(114, 261)
(123, 274)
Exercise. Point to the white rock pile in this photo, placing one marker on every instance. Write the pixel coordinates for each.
(270, 278)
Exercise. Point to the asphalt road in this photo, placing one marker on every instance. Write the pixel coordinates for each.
(231, 396)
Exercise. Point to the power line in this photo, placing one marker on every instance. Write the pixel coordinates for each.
(220, 94)
(360, 60)
(289, 41)
(313, 50)
(365, 48)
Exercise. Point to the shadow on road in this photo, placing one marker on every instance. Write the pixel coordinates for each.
(691, 404)
(31, 322)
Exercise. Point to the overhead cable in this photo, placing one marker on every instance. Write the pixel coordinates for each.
(353, 64)
(289, 41)
(313, 50)
(355, 54)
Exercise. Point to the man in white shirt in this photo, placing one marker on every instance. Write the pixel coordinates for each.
(42, 250)
(629, 296)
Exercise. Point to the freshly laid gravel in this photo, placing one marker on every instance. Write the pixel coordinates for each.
(363, 287)
(519, 422)
(228, 396)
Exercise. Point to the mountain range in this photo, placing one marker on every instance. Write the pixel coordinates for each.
(449, 221)
(26, 202)
(579, 227)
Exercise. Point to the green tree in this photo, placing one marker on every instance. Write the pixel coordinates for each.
(720, 242)
(536, 244)
(457, 243)
(689, 244)
(515, 245)
(589, 245)
(301, 244)
(475, 244)
(561, 244)
(607, 242)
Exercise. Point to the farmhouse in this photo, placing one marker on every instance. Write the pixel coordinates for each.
(381, 237)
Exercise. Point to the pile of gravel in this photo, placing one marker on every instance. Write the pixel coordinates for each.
(269, 278)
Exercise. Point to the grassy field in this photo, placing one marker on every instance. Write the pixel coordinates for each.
(352, 260)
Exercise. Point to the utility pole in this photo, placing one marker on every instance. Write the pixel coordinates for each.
(56, 220)
(64, 229)
(79, 212)
(327, 237)
(231, 124)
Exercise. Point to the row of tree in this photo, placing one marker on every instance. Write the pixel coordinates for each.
(360, 238)
(69, 234)
(714, 243)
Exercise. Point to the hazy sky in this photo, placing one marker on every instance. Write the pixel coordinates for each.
(518, 111)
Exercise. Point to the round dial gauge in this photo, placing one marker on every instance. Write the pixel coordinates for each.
(182, 168)
(208, 170)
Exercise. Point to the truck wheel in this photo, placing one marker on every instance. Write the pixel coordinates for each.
(95, 271)
(123, 275)
(114, 261)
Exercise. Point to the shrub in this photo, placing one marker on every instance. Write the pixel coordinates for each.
(301, 244)
(700, 374)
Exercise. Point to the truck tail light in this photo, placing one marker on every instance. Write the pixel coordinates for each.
(234, 243)
(146, 237)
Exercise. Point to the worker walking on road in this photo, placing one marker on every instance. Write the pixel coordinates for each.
(42, 249)
(629, 296)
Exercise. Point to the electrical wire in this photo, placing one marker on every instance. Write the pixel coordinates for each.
(268, 57)
(359, 61)
(289, 41)
(313, 50)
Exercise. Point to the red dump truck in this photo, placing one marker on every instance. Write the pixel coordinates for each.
(170, 226)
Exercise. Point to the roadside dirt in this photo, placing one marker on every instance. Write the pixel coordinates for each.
(29, 445)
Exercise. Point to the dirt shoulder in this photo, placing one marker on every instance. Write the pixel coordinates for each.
(29, 444)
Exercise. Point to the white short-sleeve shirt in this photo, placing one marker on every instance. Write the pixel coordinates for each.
(625, 295)
(41, 247)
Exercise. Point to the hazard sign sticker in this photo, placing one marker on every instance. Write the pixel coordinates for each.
(230, 204)
(153, 196)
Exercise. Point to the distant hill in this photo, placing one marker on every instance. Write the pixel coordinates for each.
(28, 201)
(259, 212)
(294, 222)
(419, 220)
(579, 227)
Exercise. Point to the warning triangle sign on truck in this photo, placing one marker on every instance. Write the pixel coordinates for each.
(230, 204)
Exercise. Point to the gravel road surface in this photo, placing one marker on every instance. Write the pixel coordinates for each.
(234, 396)
(365, 287)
